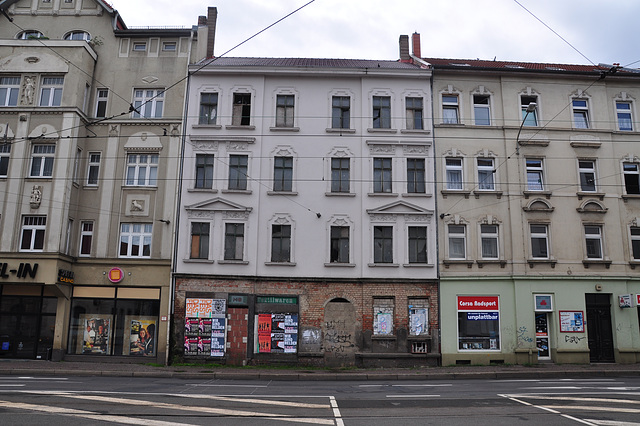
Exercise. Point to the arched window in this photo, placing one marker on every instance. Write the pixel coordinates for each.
(77, 35)
(29, 34)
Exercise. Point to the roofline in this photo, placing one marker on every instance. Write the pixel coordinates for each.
(146, 32)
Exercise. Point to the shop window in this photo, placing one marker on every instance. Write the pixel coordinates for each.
(478, 323)
(383, 316)
(418, 317)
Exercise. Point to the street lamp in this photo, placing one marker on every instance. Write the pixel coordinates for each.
(530, 108)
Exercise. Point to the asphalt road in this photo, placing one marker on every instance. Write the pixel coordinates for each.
(168, 401)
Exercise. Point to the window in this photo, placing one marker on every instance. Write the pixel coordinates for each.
(208, 108)
(135, 239)
(340, 174)
(534, 174)
(284, 110)
(450, 109)
(30, 34)
(33, 228)
(5, 151)
(580, 113)
(539, 241)
(339, 244)
(635, 242)
(76, 165)
(482, 110)
(283, 174)
(587, 171)
(383, 244)
(383, 315)
(238, 172)
(67, 243)
(241, 115)
(382, 175)
(453, 170)
(416, 176)
(169, 46)
(486, 169)
(86, 238)
(139, 46)
(419, 317)
(233, 241)
(42, 160)
(457, 241)
(478, 323)
(340, 112)
(489, 241)
(77, 35)
(142, 169)
(531, 118)
(593, 239)
(148, 103)
(51, 92)
(102, 96)
(381, 112)
(93, 174)
(417, 244)
(199, 240)
(9, 89)
(280, 243)
(631, 178)
(204, 171)
(623, 111)
(414, 114)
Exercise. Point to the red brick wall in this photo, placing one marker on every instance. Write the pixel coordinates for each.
(237, 335)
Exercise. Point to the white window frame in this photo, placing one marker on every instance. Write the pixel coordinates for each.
(535, 167)
(489, 233)
(36, 226)
(77, 35)
(102, 102)
(453, 237)
(478, 107)
(532, 117)
(9, 91)
(586, 174)
(51, 91)
(93, 168)
(450, 105)
(42, 158)
(486, 173)
(594, 237)
(86, 232)
(236, 241)
(148, 103)
(454, 170)
(169, 46)
(29, 34)
(580, 109)
(538, 235)
(631, 171)
(142, 169)
(624, 115)
(139, 46)
(135, 236)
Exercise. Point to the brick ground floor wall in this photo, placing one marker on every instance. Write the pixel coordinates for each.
(313, 297)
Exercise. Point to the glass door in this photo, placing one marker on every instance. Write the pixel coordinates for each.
(542, 336)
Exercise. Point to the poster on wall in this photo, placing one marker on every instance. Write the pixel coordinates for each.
(140, 337)
(96, 338)
(571, 322)
(205, 327)
(277, 333)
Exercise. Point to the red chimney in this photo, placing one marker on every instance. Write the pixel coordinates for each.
(415, 40)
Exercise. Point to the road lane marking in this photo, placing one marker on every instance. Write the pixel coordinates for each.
(592, 408)
(14, 385)
(566, 416)
(611, 423)
(412, 396)
(254, 401)
(336, 411)
(418, 386)
(569, 398)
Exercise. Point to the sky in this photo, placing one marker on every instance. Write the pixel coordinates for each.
(599, 31)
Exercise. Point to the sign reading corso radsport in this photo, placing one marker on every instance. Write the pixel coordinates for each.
(478, 303)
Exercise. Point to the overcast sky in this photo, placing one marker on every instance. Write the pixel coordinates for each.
(602, 31)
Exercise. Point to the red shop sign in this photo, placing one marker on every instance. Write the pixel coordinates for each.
(478, 303)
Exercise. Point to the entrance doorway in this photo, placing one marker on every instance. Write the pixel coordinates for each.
(339, 331)
(600, 333)
(27, 326)
(542, 336)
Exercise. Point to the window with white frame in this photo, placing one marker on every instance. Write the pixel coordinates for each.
(67, 242)
(535, 181)
(284, 110)
(623, 112)
(102, 98)
(93, 172)
(238, 172)
(86, 238)
(381, 112)
(580, 113)
(241, 114)
(142, 170)
(539, 240)
(587, 171)
(29, 34)
(414, 110)
(383, 308)
(169, 46)
(383, 244)
(208, 108)
(234, 241)
(9, 89)
(593, 241)
(339, 252)
(529, 118)
(457, 236)
(634, 232)
(199, 240)
(340, 174)
(280, 243)
(5, 152)
(340, 112)
(42, 160)
(453, 173)
(482, 110)
(416, 178)
(139, 46)
(283, 174)
(204, 171)
(51, 91)
(382, 173)
(135, 239)
(32, 233)
(148, 103)
(631, 173)
(486, 170)
(450, 111)
(489, 241)
(77, 35)
(417, 244)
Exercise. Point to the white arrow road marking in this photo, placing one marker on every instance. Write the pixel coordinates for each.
(569, 398)
(612, 423)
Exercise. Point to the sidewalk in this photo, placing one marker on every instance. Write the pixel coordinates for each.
(540, 371)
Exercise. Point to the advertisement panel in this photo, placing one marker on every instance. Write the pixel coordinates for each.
(205, 327)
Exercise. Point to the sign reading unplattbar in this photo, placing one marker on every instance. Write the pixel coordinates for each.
(478, 303)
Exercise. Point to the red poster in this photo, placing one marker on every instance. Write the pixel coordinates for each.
(264, 324)
(264, 343)
(478, 303)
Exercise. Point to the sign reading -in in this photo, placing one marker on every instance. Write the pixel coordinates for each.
(23, 270)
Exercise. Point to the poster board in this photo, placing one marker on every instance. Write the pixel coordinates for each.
(571, 321)
(277, 333)
(140, 336)
(205, 327)
(96, 334)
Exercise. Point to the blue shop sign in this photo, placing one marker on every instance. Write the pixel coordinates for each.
(482, 316)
